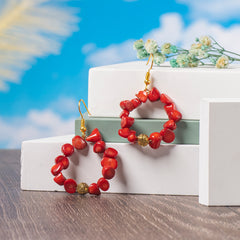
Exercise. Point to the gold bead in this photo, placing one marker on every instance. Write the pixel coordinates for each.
(147, 82)
(83, 129)
(147, 76)
(143, 140)
(82, 188)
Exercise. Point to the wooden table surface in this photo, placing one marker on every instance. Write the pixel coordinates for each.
(58, 215)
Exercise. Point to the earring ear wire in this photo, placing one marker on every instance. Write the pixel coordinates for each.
(83, 128)
(147, 77)
(151, 56)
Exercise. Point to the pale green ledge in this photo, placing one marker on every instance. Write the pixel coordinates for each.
(187, 131)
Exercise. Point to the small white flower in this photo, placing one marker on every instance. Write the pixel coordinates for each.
(139, 44)
(206, 41)
(159, 58)
(194, 50)
(182, 60)
(222, 62)
(195, 46)
(202, 54)
(151, 46)
(166, 48)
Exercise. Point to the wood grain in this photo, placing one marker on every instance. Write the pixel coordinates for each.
(57, 215)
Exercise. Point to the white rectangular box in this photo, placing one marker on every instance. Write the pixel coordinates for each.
(171, 169)
(219, 161)
(109, 85)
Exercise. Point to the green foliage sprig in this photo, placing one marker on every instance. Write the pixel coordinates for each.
(205, 51)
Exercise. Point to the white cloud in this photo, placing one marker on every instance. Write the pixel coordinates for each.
(114, 53)
(36, 124)
(227, 37)
(64, 105)
(89, 47)
(214, 9)
(172, 30)
(58, 118)
(49, 122)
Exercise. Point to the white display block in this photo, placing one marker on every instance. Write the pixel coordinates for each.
(109, 85)
(171, 169)
(219, 160)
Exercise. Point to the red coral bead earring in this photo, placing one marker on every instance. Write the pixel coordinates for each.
(153, 95)
(108, 162)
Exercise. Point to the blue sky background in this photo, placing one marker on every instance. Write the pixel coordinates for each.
(44, 102)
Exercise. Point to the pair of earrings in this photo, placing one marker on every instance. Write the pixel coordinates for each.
(109, 162)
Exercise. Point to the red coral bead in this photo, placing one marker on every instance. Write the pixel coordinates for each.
(127, 105)
(67, 149)
(155, 140)
(109, 162)
(164, 98)
(170, 124)
(142, 96)
(168, 135)
(124, 132)
(79, 143)
(59, 158)
(110, 152)
(123, 104)
(154, 95)
(127, 122)
(124, 113)
(93, 189)
(132, 137)
(64, 160)
(70, 185)
(103, 184)
(108, 172)
(136, 102)
(175, 115)
(169, 108)
(99, 147)
(163, 131)
(56, 169)
(94, 136)
(59, 179)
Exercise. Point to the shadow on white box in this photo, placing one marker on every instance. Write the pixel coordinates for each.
(171, 169)
(219, 162)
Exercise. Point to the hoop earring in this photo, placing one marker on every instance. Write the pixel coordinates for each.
(155, 138)
(108, 162)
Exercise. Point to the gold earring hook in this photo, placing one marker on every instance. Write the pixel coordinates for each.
(83, 128)
(79, 107)
(147, 77)
(151, 56)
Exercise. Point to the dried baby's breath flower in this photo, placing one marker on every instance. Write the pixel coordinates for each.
(206, 41)
(151, 46)
(205, 51)
(222, 62)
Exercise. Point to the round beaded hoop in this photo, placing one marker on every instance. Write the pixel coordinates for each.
(108, 162)
(155, 138)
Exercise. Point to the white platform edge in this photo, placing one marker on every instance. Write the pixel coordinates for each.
(172, 169)
(204, 153)
(219, 161)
